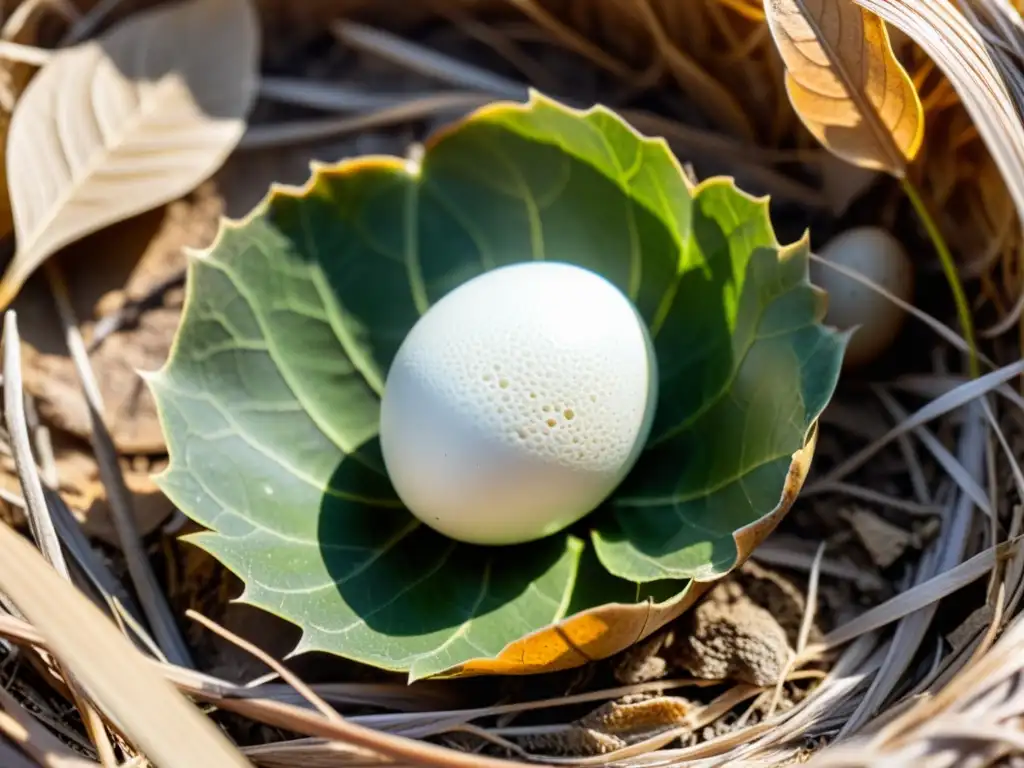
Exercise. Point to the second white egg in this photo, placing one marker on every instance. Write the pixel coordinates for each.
(875, 254)
(518, 402)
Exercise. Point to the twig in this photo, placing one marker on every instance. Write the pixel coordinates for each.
(153, 602)
(427, 62)
(286, 674)
(128, 313)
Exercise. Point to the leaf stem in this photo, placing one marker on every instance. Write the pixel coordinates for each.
(949, 267)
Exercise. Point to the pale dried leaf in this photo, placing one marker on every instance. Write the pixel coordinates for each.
(122, 124)
(22, 26)
(845, 82)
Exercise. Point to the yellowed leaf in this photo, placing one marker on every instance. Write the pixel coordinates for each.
(845, 83)
(125, 123)
(959, 50)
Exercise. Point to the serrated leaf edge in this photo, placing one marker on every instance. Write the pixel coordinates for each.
(663, 612)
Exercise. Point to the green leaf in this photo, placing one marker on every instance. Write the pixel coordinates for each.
(270, 399)
(752, 371)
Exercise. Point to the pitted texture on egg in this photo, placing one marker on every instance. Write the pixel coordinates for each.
(518, 402)
(522, 387)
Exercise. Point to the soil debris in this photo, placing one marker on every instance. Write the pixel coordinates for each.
(729, 636)
(105, 272)
(780, 596)
(641, 663)
(614, 725)
(743, 630)
(83, 491)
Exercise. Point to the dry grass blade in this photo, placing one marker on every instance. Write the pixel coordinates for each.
(153, 602)
(40, 522)
(401, 749)
(37, 510)
(956, 398)
(426, 62)
(121, 682)
(920, 596)
(158, 103)
(845, 83)
(943, 331)
(695, 82)
(34, 739)
(292, 679)
(294, 131)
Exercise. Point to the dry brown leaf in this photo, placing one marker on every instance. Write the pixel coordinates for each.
(845, 83)
(82, 489)
(157, 104)
(105, 271)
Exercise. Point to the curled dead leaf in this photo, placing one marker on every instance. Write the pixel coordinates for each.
(845, 83)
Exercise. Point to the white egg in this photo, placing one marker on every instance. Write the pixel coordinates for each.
(517, 403)
(878, 256)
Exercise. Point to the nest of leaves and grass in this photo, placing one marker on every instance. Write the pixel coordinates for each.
(878, 621)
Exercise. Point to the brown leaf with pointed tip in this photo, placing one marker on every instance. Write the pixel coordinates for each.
(845, 83)
(962, 54)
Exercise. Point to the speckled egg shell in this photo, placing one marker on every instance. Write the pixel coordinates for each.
(518, 402)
